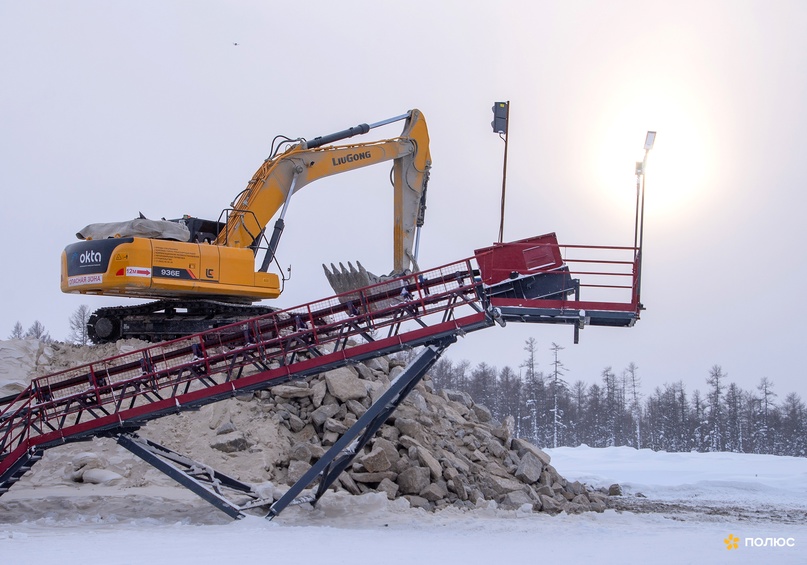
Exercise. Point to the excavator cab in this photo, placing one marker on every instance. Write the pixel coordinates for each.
(201, 231)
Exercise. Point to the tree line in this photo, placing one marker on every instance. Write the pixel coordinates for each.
(615, 411)
(78, 328)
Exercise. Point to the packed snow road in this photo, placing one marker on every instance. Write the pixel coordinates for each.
(692, 504)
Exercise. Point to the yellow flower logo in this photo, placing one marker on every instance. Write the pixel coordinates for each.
(731, 542)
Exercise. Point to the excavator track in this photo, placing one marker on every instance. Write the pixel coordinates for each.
(164, 320)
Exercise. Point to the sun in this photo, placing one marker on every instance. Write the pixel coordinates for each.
(677, 172)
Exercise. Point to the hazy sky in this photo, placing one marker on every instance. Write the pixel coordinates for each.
(108, 109)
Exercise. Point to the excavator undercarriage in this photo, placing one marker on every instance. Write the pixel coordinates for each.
(164, 320)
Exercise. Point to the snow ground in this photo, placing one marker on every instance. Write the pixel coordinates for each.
(693, 501)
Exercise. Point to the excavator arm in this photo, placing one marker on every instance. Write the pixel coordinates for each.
(279, 177)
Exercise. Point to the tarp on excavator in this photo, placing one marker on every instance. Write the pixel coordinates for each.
(139, 227)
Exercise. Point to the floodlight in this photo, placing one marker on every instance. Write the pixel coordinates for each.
(649, 140)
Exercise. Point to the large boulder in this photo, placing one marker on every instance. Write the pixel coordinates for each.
(529, 469)
(434, 492)
(550, 505)
(100, 477)
(413, 480)
(522, 446)
(427, 460)
(389, 488)
(376, 460)
(344, 384)
(461, 397)
(291, 391)
(516, 499)
(494, 486)
(321, 414)
(231, 443)
(380, 364)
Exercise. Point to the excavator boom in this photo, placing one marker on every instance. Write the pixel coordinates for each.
(273, 185)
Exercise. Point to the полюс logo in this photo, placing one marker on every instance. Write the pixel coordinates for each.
(731, 542)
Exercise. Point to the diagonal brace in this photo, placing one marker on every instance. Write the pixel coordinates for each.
(196, 477)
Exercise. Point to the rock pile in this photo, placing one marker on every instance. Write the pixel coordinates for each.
(438, 449)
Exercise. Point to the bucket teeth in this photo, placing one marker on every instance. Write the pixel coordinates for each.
(345, 279)
(353, 277)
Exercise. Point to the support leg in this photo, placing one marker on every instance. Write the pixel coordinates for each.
(197, 477)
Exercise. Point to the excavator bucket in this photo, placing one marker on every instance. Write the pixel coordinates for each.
(345, 280)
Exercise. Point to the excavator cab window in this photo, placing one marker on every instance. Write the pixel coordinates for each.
(202, 231)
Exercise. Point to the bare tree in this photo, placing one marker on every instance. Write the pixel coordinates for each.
(38, 331)
(634, 383)
(483, 384)
(794, 425)
(78, 325)
(17, 332)
(534, 397)
(714, 398)
(612, 407)
(442, 374)
(764, 431)
(734, 431)
(508, 397)
(530, 363)
(558, 386)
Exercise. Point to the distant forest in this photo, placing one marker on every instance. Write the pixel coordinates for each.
(616, 411)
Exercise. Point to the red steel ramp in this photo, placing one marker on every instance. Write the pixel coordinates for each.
(117, 395)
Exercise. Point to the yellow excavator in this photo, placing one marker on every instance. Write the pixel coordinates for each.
(202, 272)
